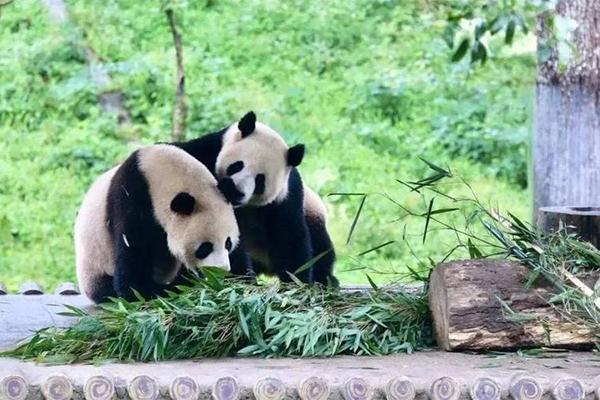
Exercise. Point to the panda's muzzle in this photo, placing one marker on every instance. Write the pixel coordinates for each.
(230, 191)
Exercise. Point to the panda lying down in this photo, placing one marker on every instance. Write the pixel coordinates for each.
(144, 219)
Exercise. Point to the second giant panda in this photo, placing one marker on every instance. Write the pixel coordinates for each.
(144, 219)
(282, 222)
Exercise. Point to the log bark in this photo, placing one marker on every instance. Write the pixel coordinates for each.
(466, 301)
(566, 144)
(582, 221)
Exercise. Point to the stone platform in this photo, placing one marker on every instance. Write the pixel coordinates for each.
(434, 375)
(424, 375)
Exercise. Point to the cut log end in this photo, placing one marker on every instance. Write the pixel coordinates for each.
(357, 389)
(13, 387)
(57, 387)
(400, 388)
(444, 388)
(184, 388)
(486, 389)
(269, 388)
(143, 387)
(314, 388)
(99, 387)
(226, 388)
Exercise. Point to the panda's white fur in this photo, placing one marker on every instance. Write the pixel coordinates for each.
(93, 248)
(313, 205)
(273, 163)
(168, 171)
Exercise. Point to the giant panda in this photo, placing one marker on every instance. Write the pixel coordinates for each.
(282, 222)
(143, 220)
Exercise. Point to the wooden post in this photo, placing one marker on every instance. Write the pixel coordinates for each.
(566, 143)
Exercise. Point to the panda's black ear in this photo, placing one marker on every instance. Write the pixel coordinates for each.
(295, 155)
(183, 203)
(247, 124)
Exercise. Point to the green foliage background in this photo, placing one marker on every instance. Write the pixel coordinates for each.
(366, 85)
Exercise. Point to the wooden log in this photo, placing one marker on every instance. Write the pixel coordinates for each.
(466, 300)
(444, 388)
(184, 388)
(314, 388)
(13, 386)
(357, 389)
(269, 388)
(523, 387)
(226, 388)
(486, 389)
(143, 387)
(99, 387)
(67, 289)
(583, 221)
(31, 288)
(400, 388)
(568, 389)
(57, 387)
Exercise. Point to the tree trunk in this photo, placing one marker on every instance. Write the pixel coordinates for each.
(483, 304)
(566, 140)
(180, 107)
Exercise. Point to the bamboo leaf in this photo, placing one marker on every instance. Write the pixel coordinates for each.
(355, 220)
(376, 248)
(428, 219)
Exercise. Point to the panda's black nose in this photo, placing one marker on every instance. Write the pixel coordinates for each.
(227, 187)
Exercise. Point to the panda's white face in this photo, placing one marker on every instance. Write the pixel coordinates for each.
(200, 225)
(254, 164)
(199, 234)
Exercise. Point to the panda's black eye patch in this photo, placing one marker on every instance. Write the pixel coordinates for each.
(259, 184)
(235, 168)
(183, 203)
(204, 250)
(228, 244)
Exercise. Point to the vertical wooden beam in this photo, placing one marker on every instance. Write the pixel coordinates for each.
(566, 140)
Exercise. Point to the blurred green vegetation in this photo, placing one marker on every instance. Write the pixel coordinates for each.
(366, 85)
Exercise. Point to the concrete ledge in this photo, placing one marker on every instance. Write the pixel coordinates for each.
(433, 375)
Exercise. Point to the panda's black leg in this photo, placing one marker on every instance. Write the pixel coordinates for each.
(289, 244)
(133, 271)
(323, 249)
(103, 289)
(241, 264)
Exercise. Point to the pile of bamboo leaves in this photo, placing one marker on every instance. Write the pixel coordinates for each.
(219, 316)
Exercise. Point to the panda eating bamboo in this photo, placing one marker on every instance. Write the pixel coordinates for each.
(143, 220)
